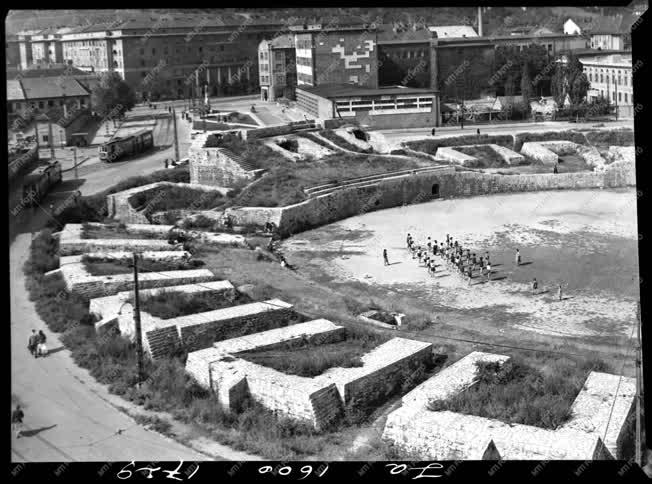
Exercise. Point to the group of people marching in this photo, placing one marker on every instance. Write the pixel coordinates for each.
(458, 258)
(454, 255)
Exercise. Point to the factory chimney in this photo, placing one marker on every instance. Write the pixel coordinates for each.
(480, 21)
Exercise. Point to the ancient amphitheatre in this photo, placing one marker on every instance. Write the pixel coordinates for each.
(235, 344)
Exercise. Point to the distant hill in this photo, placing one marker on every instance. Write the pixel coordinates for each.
(496, 20)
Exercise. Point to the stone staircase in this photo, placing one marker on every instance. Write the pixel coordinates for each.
(162, 341)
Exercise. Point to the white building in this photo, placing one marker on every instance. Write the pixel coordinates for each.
(611, 78)
(571, 28)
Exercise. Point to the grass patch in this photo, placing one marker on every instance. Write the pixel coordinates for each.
(174, 198)
(170, 304)
(430, 146)
(253, 151)
(330, 135)
(283, 185)
(99, 266)
(310, 359)
(487, 158)
(517, 393)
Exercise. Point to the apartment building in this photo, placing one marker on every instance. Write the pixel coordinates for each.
(611, 78)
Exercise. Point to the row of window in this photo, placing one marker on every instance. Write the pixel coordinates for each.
(17, 106)
(304, 78)
(303, 44)
(621, 96)
(304, 61)
(407, 54)
(308, 104)
(621, 78)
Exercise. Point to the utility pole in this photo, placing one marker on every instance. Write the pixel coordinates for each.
(616, 96)
(639, 392)
(50, 140)
(74, 154)
(176, 138)
(139, 340)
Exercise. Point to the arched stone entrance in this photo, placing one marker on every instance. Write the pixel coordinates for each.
(435, 190)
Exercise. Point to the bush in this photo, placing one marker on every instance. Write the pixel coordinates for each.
(289, 145)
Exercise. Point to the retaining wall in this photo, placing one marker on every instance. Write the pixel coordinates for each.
(79, 281)
(416, 188)
(451, 155)
(540, 153)
(320, 400)
(120, 208)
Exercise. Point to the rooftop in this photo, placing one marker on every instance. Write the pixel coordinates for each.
(14, 90)
(399, 33)
(52, 87)
(347, 90)
(453, 31)
(609, 59)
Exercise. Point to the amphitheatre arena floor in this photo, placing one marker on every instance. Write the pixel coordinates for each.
(585, 239)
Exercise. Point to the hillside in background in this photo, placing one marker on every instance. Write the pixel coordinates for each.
(496, 20)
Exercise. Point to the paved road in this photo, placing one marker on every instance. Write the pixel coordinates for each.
(95, 176)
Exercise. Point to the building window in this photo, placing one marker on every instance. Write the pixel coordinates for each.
(221, 48)
(626, 100)
(620, 96)
(50, 103)
(41, 105)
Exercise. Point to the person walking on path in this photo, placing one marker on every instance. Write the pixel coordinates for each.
(535, 285)
(559, 292)
(517, 258)
(555, 169)
(41, 348)
(17, 421)
(488, 271)
(385, 257)
(32, 343)
(433, 131)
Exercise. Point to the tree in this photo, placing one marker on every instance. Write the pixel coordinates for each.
(569, 80)
(112, 96)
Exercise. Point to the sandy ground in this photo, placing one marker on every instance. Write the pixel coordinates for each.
(586, 240)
